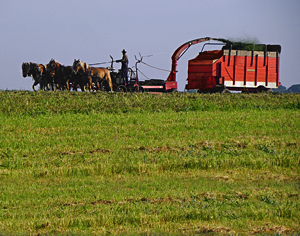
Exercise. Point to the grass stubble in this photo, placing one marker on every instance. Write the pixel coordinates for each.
(85, 163)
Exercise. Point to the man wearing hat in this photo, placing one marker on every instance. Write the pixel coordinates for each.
(124, 67)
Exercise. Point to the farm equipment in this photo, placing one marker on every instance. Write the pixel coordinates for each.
(155, 85)
(237, 66)
(134, 85)
(119, 84)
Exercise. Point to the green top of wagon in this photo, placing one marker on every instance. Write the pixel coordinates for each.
(252, 47)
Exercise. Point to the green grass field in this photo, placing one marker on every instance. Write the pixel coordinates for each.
(112, 163)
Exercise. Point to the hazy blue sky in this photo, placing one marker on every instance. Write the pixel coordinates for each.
(91, 30)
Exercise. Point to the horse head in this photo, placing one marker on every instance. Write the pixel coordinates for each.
(32, 69)
(25, 69)
(51, 65)
(80, 67)
(75, 65)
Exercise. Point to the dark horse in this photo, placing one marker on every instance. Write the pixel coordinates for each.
(56, 75)
(37, 71)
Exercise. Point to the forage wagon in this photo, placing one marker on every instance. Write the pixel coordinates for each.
(237, 66)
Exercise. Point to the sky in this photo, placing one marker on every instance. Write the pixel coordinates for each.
(92, 30)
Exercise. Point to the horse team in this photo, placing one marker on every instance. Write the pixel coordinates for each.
(57, 76)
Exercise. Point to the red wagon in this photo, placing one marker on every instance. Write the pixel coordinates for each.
(237, 66)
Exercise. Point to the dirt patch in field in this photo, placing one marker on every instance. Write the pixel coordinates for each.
(213, 230)
(73, 203)
(223, 177)
(197, 146)
(292, 144)
(158, 149)
(99, 150)
(268, 228)
(103, 202)
(208, 230)
(72, 153)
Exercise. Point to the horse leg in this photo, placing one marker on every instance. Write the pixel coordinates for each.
(108, 79)
(91, 84)
(53, 86)
(48, 86)
(74, 86)
(68, 85)
(98, 88)
(35, 84)
(52, 83)
(110, 84)
(42, 85)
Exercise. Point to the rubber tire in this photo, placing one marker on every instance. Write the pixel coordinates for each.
(121, 89)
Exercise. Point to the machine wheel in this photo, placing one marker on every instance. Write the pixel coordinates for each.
(261, 89)
(173, 91)
(225, 90)
(221, 89)
(138, 89)
(122, 89)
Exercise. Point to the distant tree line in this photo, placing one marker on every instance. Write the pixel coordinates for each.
(293, 89)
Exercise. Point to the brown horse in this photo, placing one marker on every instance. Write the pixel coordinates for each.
(96, 75)
(80, 70)
(100, 74)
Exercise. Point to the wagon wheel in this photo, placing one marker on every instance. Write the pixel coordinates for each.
(220, 88)
(261, 89)
(121, 89)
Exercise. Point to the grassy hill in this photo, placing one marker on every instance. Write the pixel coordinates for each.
(101, 163)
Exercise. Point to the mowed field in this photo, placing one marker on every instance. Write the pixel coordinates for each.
(113, 163)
